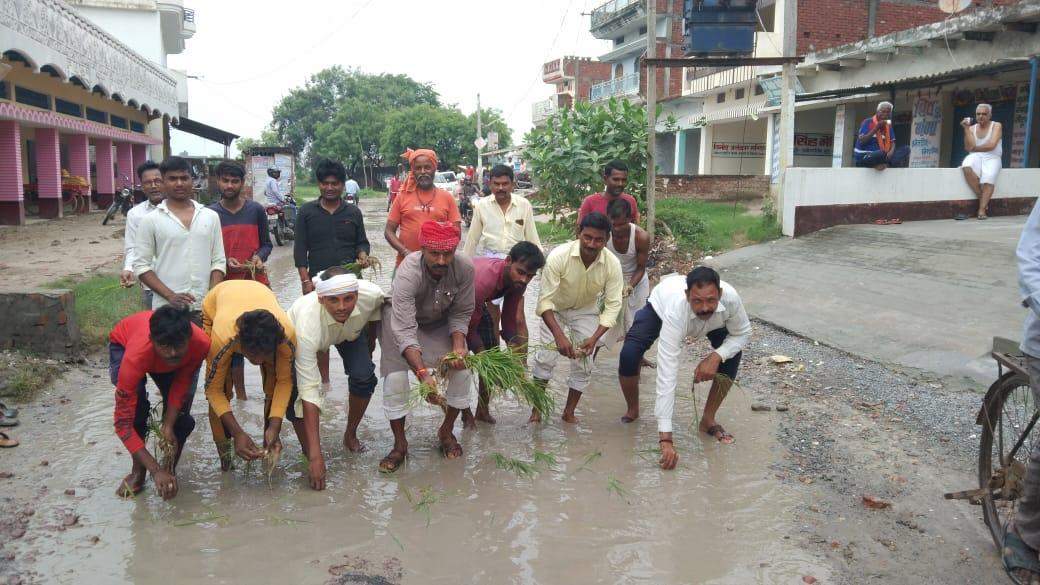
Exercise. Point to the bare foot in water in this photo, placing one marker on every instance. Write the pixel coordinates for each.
(468, 421)
(536, 417)
(484, 415)
(450, 447)
(568, 417)
(131, 485)
(352, 444)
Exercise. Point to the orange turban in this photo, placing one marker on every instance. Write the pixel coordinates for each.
(410, 155)
(440, 236)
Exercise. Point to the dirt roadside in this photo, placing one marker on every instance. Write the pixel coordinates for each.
(47, 250)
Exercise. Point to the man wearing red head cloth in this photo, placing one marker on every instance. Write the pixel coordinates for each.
(417, 203)
(428, 316)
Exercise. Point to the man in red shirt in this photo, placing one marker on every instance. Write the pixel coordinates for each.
(505, 279)
(167, 346)
(615, 179)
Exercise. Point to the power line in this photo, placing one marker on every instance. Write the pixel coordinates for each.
(334, 30)
(552, 48)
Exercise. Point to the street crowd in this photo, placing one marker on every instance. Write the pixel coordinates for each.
(210, 308)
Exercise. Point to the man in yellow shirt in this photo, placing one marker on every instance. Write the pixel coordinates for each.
(342, 311)
(576, 276)
(243, 317)
(501, 221)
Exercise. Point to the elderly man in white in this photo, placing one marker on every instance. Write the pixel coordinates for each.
(342, 311)
(982, 140)
(696, 305)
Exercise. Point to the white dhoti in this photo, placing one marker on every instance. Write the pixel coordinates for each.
(985, 165)
(579, 324)
(634, 302)
(435, 342)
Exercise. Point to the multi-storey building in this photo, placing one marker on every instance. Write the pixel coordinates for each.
(573, 79)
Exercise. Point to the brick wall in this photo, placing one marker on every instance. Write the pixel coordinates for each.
(713, 187)
(823, 24)
(40, 322)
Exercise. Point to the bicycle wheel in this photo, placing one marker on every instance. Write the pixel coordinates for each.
(1008, 419)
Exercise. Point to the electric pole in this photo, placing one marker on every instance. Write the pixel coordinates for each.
(786, 142)
(480, 134)
(651, 114)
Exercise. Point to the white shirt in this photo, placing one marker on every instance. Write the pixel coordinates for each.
(317, 330)
(1028, 254)
(352, 187)
(272, 192)
(133, 220)
(679, 321)
(498, 232)
(181, 257)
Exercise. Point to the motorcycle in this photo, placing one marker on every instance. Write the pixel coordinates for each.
(121, 201)
(281, 220)
(351, 198)
(468, 197)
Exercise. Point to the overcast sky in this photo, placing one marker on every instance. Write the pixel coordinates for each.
(249, 54)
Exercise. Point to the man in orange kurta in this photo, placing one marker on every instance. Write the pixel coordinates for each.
(419, 201)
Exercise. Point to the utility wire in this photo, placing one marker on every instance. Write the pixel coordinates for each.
(552, 48)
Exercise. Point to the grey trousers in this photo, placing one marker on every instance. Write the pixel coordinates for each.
(1027, 514)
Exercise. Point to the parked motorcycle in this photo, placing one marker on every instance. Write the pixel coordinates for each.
(468, 198)
(281, 220)
(121, 201)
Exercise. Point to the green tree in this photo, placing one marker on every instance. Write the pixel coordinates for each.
(445, 130)
(566, 156)
(268, 137)
(299, 116)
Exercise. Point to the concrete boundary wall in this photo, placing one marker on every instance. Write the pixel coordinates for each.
(816, 198)
(714, 187)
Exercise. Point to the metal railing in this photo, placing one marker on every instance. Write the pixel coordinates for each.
(625, 85)
(606, 11)
(543, 109)
(189, 15)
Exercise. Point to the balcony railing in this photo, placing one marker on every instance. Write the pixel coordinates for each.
(189, 15)
(542, 110)
(625, 85)
(605, 12)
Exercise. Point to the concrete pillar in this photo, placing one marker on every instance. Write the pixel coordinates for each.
(124, 165)
(79, 157)
(156, 130)
(12, 200)
(106, 184)
(48, 173)
(680, 152)
(704, 163)
(140, 152)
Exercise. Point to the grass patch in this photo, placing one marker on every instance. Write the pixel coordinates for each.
(710, 226)
(308, 192)
(100, 304)
(551, 232)
(25, 375)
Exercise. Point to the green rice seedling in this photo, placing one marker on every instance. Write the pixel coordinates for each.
(209, 517)
(398, 542)
(357, 269)
(522, 469)
(504, 371)
(163, 449)
(652, 455)
(545, 458)
(422, 393)
(426, 498)
(614, 486)
(227, 453)
(283, 521)
(271, 458)
(589, 459)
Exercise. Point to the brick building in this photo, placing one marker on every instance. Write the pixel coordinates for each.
(573, 78)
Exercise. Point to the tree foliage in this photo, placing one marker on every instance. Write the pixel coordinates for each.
(368, 120)
(566, 156)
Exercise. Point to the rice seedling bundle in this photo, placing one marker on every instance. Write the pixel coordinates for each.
(163, 449)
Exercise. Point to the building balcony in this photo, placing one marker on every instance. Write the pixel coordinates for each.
(553, 71)
(540, 111)
(626, 85)
(177, 24)
(608, 17)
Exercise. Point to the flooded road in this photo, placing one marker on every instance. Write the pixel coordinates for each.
(605, 513)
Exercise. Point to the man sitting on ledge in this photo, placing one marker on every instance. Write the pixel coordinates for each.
(876, 144)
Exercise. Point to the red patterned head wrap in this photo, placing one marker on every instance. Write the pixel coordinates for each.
(440, 236)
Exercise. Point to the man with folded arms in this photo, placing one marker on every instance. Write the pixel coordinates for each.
(431, 306)
(342, 312)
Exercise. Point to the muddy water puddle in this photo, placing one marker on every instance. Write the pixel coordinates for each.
(603, 513)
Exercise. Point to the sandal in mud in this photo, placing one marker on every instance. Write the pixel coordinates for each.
(451, 449)
(7, 442)
(720, 434)
(1017, 556)
(390, 464)
(7, 411)
(6, 421)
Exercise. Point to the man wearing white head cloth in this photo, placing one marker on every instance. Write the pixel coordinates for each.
(341, 311)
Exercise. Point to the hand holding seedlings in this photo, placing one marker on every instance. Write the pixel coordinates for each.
(246, 448)
(165, 483)
(708, 367)
(563, 345)
(316, 472)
